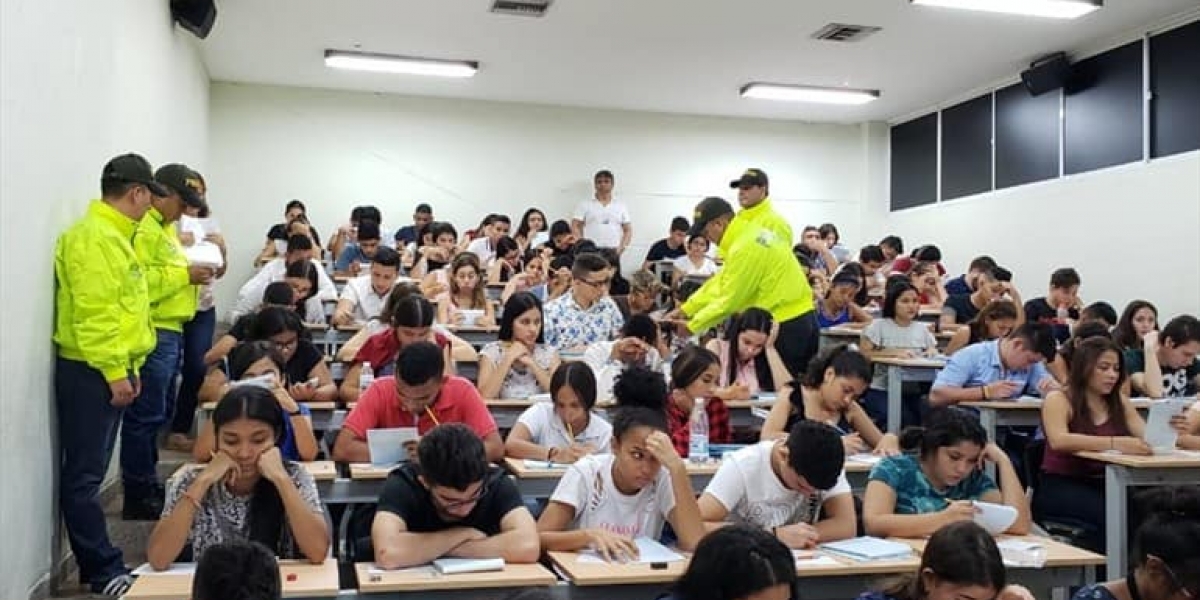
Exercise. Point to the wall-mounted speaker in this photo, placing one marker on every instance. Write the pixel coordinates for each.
(1046, 74)
(196, 16)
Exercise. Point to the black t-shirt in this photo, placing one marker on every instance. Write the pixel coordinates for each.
(404, 496)
(240, 330)
(1039, 310)
(306, 357)
(964, 309)
(661, 251)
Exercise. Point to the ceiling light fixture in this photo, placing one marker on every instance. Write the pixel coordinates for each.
(1055, 9)
(403, 65)
(807, 93)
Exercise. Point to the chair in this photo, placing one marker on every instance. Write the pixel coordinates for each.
(1061, 528)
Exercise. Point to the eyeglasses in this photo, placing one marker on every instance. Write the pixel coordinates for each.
(1176, 584)
(599, 285)
(452, 504)
(288, 345)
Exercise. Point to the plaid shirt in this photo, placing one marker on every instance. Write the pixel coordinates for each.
(719, 431)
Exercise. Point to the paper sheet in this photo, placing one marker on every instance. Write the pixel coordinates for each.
(649, 551)
(864, 458)
(389, 446)
(995, 518)
(531, 463)
(1159, 433)
(174, 569)
(449, 566)
(819, 560)
(426, 569)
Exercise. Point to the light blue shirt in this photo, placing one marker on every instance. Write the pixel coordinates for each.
(979, 364)
(352, 253)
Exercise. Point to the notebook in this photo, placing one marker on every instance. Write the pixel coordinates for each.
(390, 446)
(868, 548)
(649, 551)
(995, 518)
(1159, 433)
(450, 566)
(532, 463)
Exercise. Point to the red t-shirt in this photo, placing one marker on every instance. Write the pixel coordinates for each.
(905, 264)
(457, 402)
(381, 349)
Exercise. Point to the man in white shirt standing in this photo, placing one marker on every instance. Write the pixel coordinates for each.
(601, 219)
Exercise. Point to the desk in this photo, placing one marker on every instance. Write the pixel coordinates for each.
(425, 582)
(1066, 566)
(310, 581)
(540, 482)
(505, 411)
(322, 414)
(850, 333)
(1024, 411)
(1121, 472)
(477, 337)
(857, 473)
(362, 487)
(742, 413)
(900, 370)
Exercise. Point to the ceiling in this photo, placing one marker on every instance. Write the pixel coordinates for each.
(675, 56)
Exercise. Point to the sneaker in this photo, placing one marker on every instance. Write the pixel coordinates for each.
(115, 587)
(178, 442)
(142, 509)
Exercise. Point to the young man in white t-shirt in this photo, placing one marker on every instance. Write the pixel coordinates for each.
(601, 219)
(485, 246)
(795, 488)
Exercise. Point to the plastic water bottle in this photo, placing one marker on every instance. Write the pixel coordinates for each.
(365, 377)
(1063, 315)
(698, 433)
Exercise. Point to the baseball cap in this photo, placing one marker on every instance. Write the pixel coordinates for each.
(132, 168)
(709, 208)
(186, 182)
(750, 177)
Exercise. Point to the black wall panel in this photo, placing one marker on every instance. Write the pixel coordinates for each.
(967, 148)
(1103, 117)
(914, 162)
(1175, 80)
(1026, 136)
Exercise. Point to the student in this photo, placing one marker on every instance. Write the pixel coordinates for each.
(508, 262)
(924, 276)
(837, 306)
(369, 240)
(564, 429)
(562, 239)
(1060, 367)
(409, 319)
(419, 395)
(237, 570)
(451, 503)
(1091, 413)
(965, 283)
(1001, 369)
(829, 394)
(928, 253)
(484, 247)
(822, 259)
(738, 563)
(994, 321)
(1139, 318)
(914, 495)
(831, 237)
(434, 257)
(991, 285)
(619, 286)
(1164, 554)
(364, 296)
(1059, 308)
(519, 364)
(422, 217)
(750, 362)
(278, 294)
(872, 261)
(251, 361)
(532, 232)
(246, 492)
(604, 501)
(696, 261)
(465, 293)
(1167, 369)
(304, 277)
(532, 279)
(893, 248)
(277, 235)
(693, 379)
(960, 562)
(1101, 312)
(634, 347)
(586, 314)
(644, 291)
(794, 487)
(300, 248)
(670, 247)
(897, 333)
(601, 219)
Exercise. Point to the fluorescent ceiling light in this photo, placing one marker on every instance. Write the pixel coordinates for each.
(404, 65)
(805, 93)
(1055, 9)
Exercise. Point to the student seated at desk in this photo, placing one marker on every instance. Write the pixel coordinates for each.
(796, 488)
(695, 262)
(992, 285)
(237, 570)
(411, 321)
(246, 492)
(966, 283)
(315, 284)
(369, 241)
(1060, 307)
(531, 279)
(1166, 365)
(277, 235)
(1139, 318)
(278, 294)
(465, 293)
(992, 322)
(364, 296)
(302, 361)
(1100, 312)
(257, 360)
(564, 429)
(960, 562)
(693, 379)
(1060, 366)
(1090, 414)
(925, 278)
(897, 334)
(829, 393)
(915, 495)
(585, 314)
(998, 370)
(435, 255)
(451, 503)
(634, 347)
(519, 364)
(837, 306)
(419, 395)
(738, 563)
(507, 264)
(1164, 553)
(749, 361)
(603, 501)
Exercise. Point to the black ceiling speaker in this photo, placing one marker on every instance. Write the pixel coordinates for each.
(196, 16)
(1046, 74)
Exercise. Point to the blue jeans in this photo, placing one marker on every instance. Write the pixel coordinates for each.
(147, 414)
(197, 339)
(87, 432)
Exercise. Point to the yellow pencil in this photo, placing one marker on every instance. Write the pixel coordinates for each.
(570, 432)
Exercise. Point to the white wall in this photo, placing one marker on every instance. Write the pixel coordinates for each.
(1132, 231)
(336, 150)
(81, 81)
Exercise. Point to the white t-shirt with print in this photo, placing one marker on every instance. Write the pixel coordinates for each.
(602, 224)
(748, 488)
(546, 429)
(588, 487)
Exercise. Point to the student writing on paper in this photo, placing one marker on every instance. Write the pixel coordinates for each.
(369, 241)
(993, 322)
(519, 364)
(897, 334)
(465, 293)
(299, 251)
(1164, 554)
(915, 495)
(411, 321)
(796, 488)
(1090, 414)
(749, 361)
(829, 393)
(960, 562)
(738, 563)
(694, 374)
(1166, 366)
(237, 570)
(277, 294)
(564, 429)
(418, 395)
(837, 306)
(636, 345)
(603, 501)
(364, 296)
(452, 503)
(1001, 369)
(246, 492)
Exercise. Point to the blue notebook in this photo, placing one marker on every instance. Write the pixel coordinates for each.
(868, 548)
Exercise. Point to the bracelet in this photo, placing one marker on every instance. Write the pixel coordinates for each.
(985, 392)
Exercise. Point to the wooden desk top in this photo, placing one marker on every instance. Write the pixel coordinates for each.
(416, 579)
(854, 331)
(510, 402)
(367, 471)
(316, 326)
(517, 467)
(1178, 460)
(310, 580)
(211, 406)
(594, 573)
(914, 363)
(1058, 554)
(473, 328)
(1034, 403)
